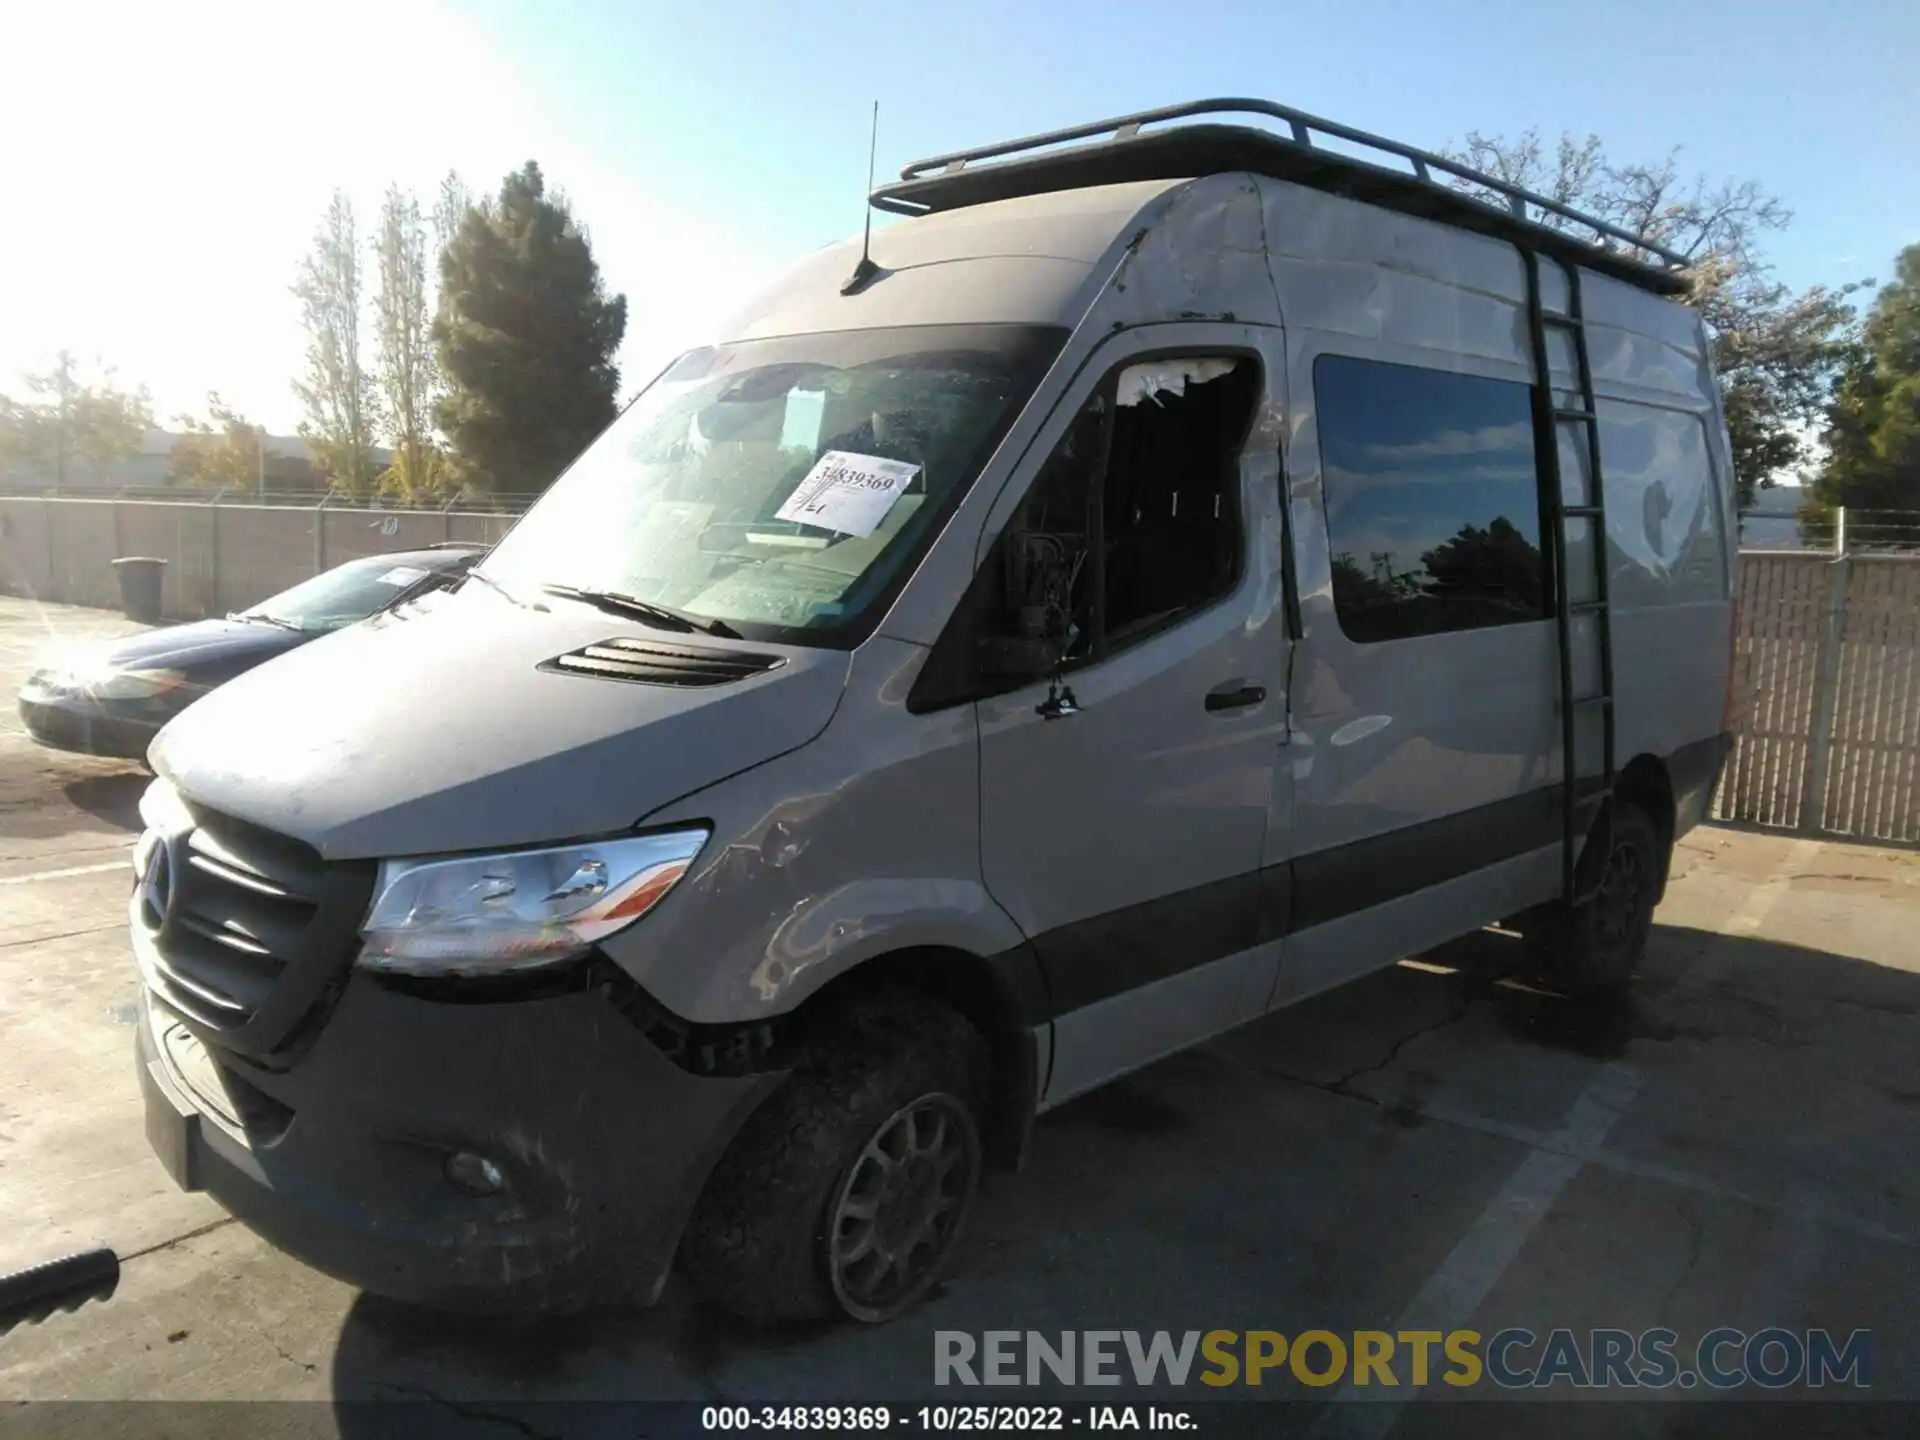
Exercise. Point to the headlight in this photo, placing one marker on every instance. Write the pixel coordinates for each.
(129, 684)
(488, 914)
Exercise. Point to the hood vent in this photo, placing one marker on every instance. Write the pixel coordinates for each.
(647, 663)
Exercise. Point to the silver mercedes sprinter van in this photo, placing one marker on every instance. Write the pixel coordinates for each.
(1179, 569)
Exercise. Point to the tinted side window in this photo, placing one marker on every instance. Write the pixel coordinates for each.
(1432, 499)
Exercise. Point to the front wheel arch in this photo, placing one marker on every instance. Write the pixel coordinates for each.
(1002, 998)
(765, 1239)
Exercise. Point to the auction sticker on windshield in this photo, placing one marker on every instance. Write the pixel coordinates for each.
(847, 492)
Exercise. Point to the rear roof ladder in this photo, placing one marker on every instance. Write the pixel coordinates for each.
(1571, 504)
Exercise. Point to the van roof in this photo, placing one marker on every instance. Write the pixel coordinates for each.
(1026, 260)
(1120, 153)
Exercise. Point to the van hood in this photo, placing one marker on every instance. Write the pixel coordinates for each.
(439, 727)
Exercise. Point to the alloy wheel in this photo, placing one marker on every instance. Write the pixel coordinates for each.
(1617, 907)
(898, 1211)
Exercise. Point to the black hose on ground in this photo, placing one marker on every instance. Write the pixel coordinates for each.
(31, 1295)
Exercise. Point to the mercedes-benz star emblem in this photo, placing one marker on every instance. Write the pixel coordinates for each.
(156, 886)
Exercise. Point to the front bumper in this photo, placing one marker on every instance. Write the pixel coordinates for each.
(340, 1159)
(82, 723)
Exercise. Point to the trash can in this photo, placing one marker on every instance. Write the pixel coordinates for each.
(140, 587)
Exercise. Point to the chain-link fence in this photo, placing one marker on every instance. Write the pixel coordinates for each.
(1857, 531)
(1827, 690)
(469, 503)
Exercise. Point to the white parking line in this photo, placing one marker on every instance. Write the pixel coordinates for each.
(1799, 1198)
(1474, 1265)
(99, 869)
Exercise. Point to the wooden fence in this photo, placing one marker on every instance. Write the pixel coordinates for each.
(1827, 696)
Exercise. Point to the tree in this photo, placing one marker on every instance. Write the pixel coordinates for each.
(449, 209)
(405, 365)
(38, 431)
(423, 473)
(1358, 588)
(1777, 354)
(226, 452)
(1873, 427)
(110, 424)
(70, 420)
(336, 390)
(1496, 566)
(526, 336)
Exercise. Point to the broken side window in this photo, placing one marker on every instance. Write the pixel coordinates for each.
(1134, 523)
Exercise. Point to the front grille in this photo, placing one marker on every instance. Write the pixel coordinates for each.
(248, 931)
(648, 663)
(241, 898)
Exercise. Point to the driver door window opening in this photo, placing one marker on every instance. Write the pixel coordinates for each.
(1133, 524)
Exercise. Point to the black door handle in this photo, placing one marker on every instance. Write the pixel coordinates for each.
(1235, 695)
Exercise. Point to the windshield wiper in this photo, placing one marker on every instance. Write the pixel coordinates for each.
(664, 616)
(255, 615)
(476, 573)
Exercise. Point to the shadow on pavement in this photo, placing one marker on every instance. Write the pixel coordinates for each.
(47, 794)
(113, 798)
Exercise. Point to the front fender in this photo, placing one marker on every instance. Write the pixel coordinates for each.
(827, 935)
(862, 843)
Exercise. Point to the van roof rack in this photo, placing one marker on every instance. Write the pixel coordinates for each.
(1121, 153)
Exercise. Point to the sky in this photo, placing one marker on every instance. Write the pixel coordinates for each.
(171, 162)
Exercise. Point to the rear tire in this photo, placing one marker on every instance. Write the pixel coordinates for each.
(846, 1193)
(1593, 949)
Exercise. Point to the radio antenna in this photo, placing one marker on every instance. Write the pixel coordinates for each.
(865, 272)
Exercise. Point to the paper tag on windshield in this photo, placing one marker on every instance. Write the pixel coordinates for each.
(848, 493)
(402, 575)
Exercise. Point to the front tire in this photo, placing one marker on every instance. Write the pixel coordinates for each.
(847, 1192)
(1594, 949)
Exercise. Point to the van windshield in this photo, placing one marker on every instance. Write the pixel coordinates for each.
(783, 487)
